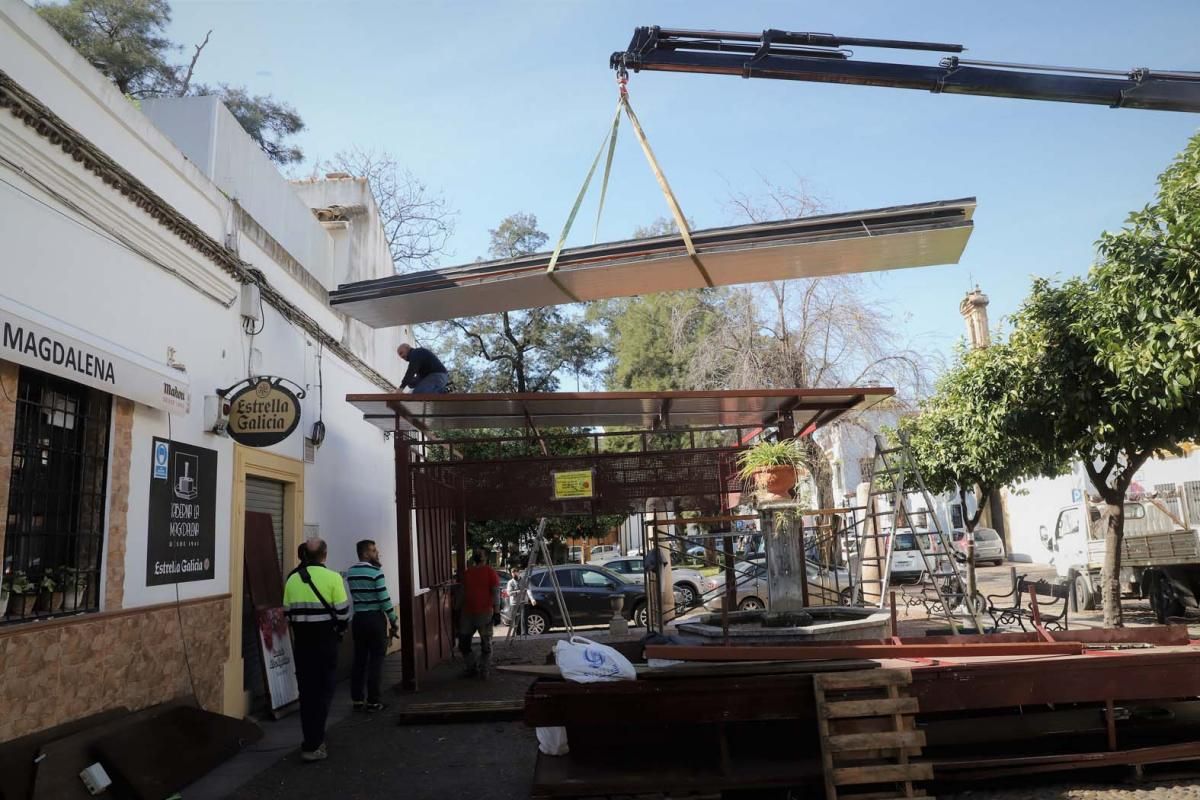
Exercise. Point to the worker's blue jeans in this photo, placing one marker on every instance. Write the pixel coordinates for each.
(432, 383)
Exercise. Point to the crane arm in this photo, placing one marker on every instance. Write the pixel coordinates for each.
(826, 58)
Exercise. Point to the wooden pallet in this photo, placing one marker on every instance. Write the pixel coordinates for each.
(869, 736)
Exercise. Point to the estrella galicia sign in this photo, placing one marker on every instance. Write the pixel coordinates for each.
(263, 413)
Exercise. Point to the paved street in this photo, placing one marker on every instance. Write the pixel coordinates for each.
(1165, 790)
(371, 756)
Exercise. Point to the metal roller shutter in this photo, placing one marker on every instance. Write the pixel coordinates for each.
(267, 497)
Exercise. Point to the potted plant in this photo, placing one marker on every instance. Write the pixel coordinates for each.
(50, 597)
(22, 595)
(74, 585)
(773, 467)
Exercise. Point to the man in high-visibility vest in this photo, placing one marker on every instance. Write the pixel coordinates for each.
(317, 609)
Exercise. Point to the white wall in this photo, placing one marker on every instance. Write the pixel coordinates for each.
(849, 440)
(212, 138)
(1033, 504)
(66, 266)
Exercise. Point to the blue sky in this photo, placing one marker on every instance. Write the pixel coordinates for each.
(501, 105)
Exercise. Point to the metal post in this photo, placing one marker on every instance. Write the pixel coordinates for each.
(404, 542)
(730, 601)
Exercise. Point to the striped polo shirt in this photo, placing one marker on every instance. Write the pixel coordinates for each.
(368, 590)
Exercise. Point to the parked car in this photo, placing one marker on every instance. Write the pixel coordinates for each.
(603, 552)
(688, 582)
(988, 546)
(752, 591)
(586, 590)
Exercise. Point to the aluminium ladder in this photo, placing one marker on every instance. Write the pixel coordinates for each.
(517, 614)
(894, 476)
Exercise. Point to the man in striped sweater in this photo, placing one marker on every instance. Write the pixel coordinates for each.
(374, 623)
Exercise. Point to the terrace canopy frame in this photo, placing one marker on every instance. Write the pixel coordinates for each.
(439, 490)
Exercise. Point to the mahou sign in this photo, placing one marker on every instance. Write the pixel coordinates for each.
(263, 413)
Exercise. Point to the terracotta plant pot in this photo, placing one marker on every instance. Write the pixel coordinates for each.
(778, 481)
(21, 605)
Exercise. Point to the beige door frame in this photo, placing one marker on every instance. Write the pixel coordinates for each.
(248, 461)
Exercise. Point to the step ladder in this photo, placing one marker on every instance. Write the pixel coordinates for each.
(867, 723)
(516, 620)
(894, 477)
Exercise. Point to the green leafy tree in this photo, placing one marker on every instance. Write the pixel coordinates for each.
(522, 351)
(1109, 364)
(126, 40)
(270, 122)
(970, 435)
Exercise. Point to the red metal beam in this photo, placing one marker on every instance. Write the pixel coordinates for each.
(404, 541)
(1117, 676)
(842, 650)
(1163, 635)
(986, 768)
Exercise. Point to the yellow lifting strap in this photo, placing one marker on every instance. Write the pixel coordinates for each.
(610, 137)
(610, 142)
(672, 203)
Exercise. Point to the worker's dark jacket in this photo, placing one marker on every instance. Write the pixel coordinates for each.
(421, 362)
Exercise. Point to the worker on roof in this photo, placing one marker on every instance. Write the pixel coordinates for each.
(317, 608)
(426, 374)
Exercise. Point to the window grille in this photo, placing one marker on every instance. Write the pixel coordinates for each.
(1168, 495)
(1192, 490)
(54, 533)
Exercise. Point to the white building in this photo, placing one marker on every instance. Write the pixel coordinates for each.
(1033, 505)
(131, 238)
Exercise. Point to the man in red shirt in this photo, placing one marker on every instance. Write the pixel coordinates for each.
(481, 602)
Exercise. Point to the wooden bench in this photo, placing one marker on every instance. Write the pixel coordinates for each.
(1052, 614)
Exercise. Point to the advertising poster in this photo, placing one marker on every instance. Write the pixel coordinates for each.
(181, 540)
(278, 663)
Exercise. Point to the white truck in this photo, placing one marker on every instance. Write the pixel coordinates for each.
(1160, 553)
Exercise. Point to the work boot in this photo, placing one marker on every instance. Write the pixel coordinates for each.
(358, 705)
(320, 754)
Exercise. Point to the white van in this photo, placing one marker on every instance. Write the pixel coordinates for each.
(603, 552)
(907, 561)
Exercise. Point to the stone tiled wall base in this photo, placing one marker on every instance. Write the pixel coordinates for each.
(51, 673)
(118, 503)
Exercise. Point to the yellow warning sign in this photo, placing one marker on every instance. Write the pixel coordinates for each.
(573, 485)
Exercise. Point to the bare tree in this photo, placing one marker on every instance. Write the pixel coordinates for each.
(809, 333)
(417, 221)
